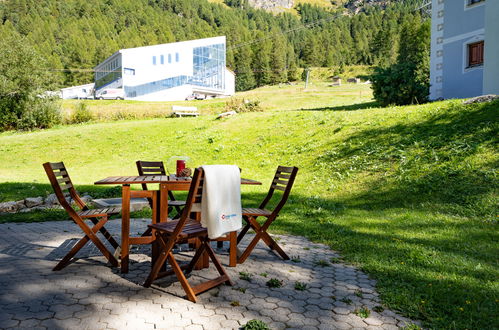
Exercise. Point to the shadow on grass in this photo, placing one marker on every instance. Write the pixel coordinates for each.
(434, 161)
(350, 107)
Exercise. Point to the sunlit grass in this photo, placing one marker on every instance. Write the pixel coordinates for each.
(409, 194)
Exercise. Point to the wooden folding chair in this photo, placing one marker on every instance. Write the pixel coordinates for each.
(176, 231)
(158, 168)
(283, 181)
(63, 187)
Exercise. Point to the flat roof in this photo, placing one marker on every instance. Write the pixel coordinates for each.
(151, 46)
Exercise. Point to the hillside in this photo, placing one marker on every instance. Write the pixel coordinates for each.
(262, 48)
(407, 193)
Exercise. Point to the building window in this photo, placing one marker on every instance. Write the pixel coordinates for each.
(475, 54)
(162, 59)
(129, 72)
(154, 60)
(169, 58)
(472, 2)
(177, 58)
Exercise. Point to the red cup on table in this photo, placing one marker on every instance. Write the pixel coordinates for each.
(180, 166)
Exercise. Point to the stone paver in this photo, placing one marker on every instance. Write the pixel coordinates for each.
(91, 294)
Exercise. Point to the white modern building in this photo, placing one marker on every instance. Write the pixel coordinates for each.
(168, 72)
(464, 48)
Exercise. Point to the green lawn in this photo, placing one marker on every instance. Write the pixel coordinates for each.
(409, 194)
(318, 95)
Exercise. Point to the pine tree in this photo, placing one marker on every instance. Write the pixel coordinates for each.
(244, 73)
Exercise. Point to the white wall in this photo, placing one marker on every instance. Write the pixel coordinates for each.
(141, 60)
(230, 82)
(491, 59)
(172, 94)
(436, 59)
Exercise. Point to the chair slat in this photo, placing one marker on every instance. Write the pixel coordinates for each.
(276, 181)
(151, 170)
(64, 180)
(61, 173)
(57, 166)
(66, 186)
(274, 186)
(151, 164)
(285, 169)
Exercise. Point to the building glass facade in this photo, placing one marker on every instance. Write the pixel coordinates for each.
(108, 73)
(209, 66)
(208, 71)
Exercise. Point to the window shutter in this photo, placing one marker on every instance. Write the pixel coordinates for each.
(475, 54)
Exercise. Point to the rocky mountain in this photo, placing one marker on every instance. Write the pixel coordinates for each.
(272, 5)
(354, 6)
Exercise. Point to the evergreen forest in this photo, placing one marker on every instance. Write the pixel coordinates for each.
(73, 36)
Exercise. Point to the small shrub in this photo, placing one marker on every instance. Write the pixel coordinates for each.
(274, 283)
(300, 286)
(245, 276)
(81, 114)
(41, 113)
(255, 325)
(243, 105)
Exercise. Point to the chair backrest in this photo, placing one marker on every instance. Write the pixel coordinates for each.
(194, 197)
(62, 185)
(283, 180)
(150, 168)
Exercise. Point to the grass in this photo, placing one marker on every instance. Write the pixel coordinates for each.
(408, 194)
(319, 94)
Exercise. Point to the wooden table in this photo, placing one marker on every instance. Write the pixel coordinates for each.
(160, 205)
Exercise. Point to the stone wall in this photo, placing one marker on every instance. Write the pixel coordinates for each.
(37, 203)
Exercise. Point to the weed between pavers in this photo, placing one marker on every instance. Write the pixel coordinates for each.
(321, 263)
(274, 283)
(245, 276)
(296, 259)
(363, 312)
(346, 300)
(255, 325)
(378, 309)
(358, 293)
(300, 286)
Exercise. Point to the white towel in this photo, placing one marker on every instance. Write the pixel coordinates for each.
(221, 210)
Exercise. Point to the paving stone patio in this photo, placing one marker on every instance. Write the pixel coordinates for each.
(90, 294)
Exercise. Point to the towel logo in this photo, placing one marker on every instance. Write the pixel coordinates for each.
(228, 216)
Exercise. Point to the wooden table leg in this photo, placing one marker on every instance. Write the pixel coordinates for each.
(161, 215)
(125, 228)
